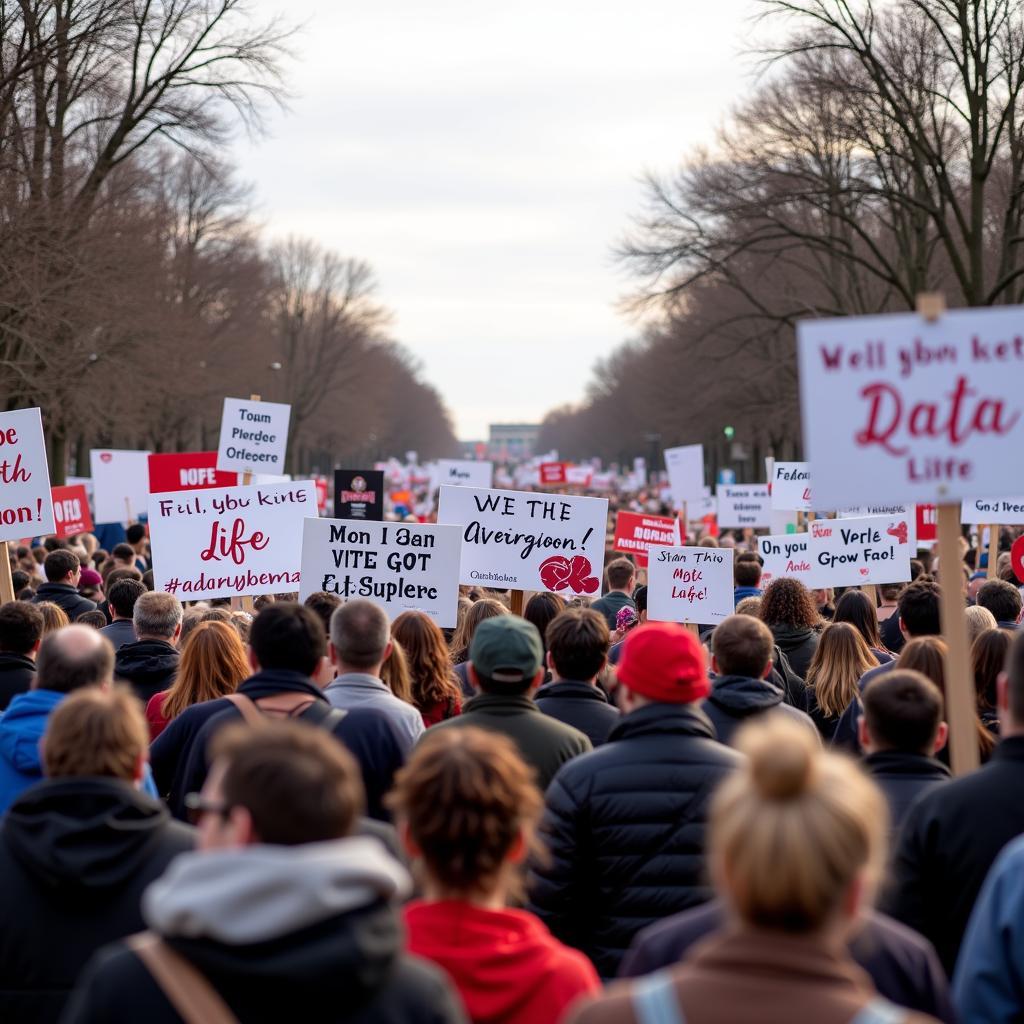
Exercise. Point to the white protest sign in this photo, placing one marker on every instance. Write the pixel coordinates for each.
(852, 552)
(908, 512)
(995, 511)
(524, 540)
(26, 506)
(786, 554)
(685, 467)
(120, 484)
(402, 567)
(742, 505)
(690, 585)
(229, 541)
(791, 486)
(464, 473)
(253, 436)
(897, 408)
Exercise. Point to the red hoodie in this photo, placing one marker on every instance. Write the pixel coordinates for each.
(508, 968)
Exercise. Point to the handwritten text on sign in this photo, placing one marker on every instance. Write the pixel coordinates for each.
(636, 534)
(786, 554)
(528, 541)
(791, 486)
(229, 542)
(897, 408)
(690, 585)
(993, 510)
(848, 552)
(743, 505)
(253, 436)
(402, 567)
(25, 505)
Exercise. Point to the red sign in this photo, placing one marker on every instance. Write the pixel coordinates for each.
(71, 510)
(187, 471)
(552, 473)
(927, 523)
(320, 482)
(1017, 558)
(636, 534)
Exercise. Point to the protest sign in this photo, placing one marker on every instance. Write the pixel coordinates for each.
(791, 486)
(230, 542)
(786, 554)
(71, 510)
(690, 585)
(320, 483)
(892, 511)
(527, 541)
(743, 505)
(120, 484)
(927, 524)
(400, 566)
(1017, 558)
(579, 476)
(552, 473)
(859, 552)
(903, 408)
(359, 494)
(187, 471)
(636, 534)
(253, 436)
(26, 507)
(685, 466)
(464, 473)
(997, 511)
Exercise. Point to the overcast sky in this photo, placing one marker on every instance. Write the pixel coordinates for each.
(484, 157)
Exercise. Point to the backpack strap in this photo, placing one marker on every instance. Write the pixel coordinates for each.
(654, 1000)
(187, 990)
(323, 715)
(250, 712)
(880, 1011)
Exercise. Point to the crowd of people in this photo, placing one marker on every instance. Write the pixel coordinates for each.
(306, 810)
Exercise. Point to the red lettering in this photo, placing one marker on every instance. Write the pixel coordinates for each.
(233, 545)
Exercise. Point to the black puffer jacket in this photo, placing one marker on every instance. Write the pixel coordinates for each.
(148, 665)
(735, 700)
(624, 826)
(64, 596)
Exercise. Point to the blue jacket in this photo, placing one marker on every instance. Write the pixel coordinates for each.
(990, 971)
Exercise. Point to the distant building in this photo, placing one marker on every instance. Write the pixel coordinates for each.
(513, 440)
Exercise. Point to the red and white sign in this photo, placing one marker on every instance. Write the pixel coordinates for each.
(320, 483)
(786, 554)
(636, 534)
(791, 486)
(187, 471)
(120, 484)
(1017, 558)
(25, 503)
(687, 584)
(927, 524)
(852, 552)
(552, 473)
(71, 510)
(579, 476)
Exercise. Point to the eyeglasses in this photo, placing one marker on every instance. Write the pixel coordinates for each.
(197, 806)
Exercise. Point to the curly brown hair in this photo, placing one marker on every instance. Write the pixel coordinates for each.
(787, 602)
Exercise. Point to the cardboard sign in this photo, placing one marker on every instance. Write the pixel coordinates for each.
(743, 505)
(927, 524)
(579, 476)
(891, 511)
(230, 542)
(897, 408)
(852, 552)
(997, 511)
(791, 486)
(528, 541)
(26, 507)
(400, 566)
(187, 471)
(552, 473)
(786, 554)
(71, 510)
(359, 494)
(685, 467)
(120, 484)
(636, 534)
(464, 473)
(690, 585)
(253, 436)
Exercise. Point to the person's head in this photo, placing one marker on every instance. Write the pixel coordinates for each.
(54, 617)
(286, 636)
(578, 641)
(481, 610)
(157, 616)
(918, 609)
(112, 575)
(122, 595)
(96, 732)
(21, 628)
(746, 572)
(889, 592)
(541, 610)
(324, 605)
(74, 657)
(1002, 599)
(61, 566)
(281, 783)
(978, 621)
(796, 837)
(20, 580)
(467, 807)
(90, 583)
(123, 555)
(661, 662)
(1011, 689)
(430, 664)
(975, 584)
(988, 657)
(903, 712)
(506, 656)
(787, 602)
(856, 608)
(94, 619)
(360, 637)
(839, 661)
(212, 664)
(640, 600)
(394, 673)
(136, 536)
(742, 646)
(621, 573)
(749, 606)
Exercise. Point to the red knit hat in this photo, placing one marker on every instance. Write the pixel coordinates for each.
(662, 661)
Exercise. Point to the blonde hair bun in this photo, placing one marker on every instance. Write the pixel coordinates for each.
(781, 760)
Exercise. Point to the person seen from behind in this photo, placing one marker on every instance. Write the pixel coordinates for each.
(435, 689)
(839, 661)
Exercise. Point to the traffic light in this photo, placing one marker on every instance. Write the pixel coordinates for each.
(729, 431)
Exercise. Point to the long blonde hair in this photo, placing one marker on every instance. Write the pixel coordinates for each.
(395, 675)
(841, 658)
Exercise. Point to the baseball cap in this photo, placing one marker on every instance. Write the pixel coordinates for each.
(506, 649)
(664, 662)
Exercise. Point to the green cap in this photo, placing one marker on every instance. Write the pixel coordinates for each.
(506, 649)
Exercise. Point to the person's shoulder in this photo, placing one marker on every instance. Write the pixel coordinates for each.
(561, 730)
(612, 1006)
(423, 989)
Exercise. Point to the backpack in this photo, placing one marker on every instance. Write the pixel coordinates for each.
(317, 713)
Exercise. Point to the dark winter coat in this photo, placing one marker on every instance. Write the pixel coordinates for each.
(798, 644)
(735, 700)
(610, 605)
(75, 857)
(625, 830)
(794, 689)
(581, 705)
(16, 675)
(903, 778)
(66, 597)
(148, 665)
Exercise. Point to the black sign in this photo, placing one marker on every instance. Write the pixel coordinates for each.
(359, 494)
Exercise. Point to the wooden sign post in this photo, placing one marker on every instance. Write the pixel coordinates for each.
(993, 549)
(6, 580)
(245, 603)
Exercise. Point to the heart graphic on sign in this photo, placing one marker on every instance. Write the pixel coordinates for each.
(864, 572)
(575, 574)
(899, 531)
(1017, 558)
(105, 457)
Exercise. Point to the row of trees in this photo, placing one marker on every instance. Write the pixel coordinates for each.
(880, 155)
(135, 290)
